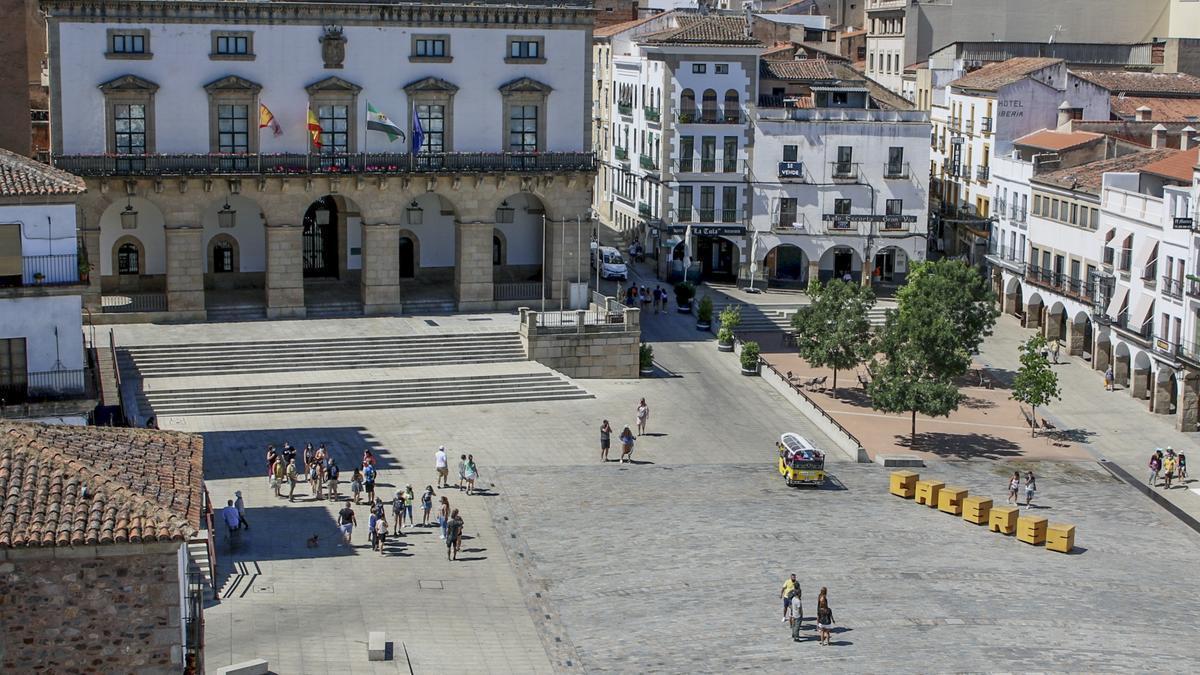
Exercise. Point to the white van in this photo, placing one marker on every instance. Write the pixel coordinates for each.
(612, 265)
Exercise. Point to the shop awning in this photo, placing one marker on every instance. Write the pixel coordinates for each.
(1120, 293)
(1141, 310)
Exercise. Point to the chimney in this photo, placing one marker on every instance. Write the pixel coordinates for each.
(1142, 114)
(1185, 138)
(1064, 114)
(1158, 137)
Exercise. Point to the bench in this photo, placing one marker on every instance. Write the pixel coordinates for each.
(1047, 425)
(376, 646)
(251, 667)
(818, 382)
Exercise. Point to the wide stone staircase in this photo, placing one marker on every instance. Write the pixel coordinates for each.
(320, 354)
(769, 318)
(353, 373)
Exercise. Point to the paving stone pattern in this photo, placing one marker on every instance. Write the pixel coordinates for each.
(676, 568)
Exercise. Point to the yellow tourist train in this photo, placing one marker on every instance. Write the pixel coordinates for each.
(800, 462)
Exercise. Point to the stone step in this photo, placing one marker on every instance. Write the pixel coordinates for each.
(428, 307)
(235, 314)
(510, 388)
(324, 354)
(334, 310)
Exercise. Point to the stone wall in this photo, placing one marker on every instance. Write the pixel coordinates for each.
(91, 610)
(584, 349)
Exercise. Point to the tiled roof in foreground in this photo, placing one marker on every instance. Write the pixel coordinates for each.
(21, 176)
(76, 486)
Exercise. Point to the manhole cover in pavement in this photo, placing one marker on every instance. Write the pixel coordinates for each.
(428, 585)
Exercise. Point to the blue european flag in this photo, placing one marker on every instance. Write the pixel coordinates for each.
(418, 134)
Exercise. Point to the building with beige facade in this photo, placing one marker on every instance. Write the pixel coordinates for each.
(199, 206)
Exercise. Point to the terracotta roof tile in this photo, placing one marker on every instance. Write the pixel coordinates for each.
(804, 69)
(1147, 84)
(1090, 177)
(707, 30)
(74, 486)
(1048, 139)
(1177, 166)
(609, 31)
(995, 75)
(21, 176)
(1161, 109)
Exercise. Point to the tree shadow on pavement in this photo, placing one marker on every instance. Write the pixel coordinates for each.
(242, 454)
(960, 446)
(1068, 435)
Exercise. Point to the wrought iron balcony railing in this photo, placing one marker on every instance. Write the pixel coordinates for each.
(338, 163)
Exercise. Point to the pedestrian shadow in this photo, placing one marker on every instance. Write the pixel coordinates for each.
(472, 559)
(640, 462)
(242, 454)
(656, 434)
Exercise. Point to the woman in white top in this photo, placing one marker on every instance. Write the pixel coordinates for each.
(643, 416)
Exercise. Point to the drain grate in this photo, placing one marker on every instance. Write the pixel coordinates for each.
(431, 322)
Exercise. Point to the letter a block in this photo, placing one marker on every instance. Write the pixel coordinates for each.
(1003, 519)
(904, 484)
(1060, 537)
(927, 492)
(976, 510)
(1032, 529)
(950, 500)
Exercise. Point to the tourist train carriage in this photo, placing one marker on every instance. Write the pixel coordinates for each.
(800, 462)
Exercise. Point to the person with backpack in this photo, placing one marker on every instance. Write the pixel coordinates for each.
(1155, 466)
(471, 472)
(381, 531)
(795, 613)
(369, 474)
(454, 528)
(1181, 466)
(331, 472)
(346, 523)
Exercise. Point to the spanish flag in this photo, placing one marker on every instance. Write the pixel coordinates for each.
(266, 120)
(314, 129)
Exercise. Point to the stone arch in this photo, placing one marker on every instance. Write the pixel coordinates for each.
(890, 265)
(430, 219)
(1164, 400)
(1012, 297)
(1079, 335)
(687, 103)
(1056, 322)
(229, 260)
(145, 223)
(836, 261)
(1102, 353)
(786, 265)
(1033, 311)
(1141, 376)
(523, 237)
(241, 219)
(1121, 364)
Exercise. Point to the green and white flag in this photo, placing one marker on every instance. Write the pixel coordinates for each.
(377, 121)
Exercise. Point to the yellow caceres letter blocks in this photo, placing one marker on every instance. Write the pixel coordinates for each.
(1060, 537)
(950, 500)
(1032, 529)
(1003, 519)
(904, 484)
(927, 492)
(976, 510)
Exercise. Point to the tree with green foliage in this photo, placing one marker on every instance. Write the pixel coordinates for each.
(1036, 383)
(833, 331)
(943, 312)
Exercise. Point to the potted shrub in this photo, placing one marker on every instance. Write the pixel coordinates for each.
(645, 359)
(749, 358)
(684, 292)
(724, 339)
(704, 314)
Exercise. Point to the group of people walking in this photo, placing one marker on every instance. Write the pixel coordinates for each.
(1169, 465)
(626, 437)
(793, 611)
(319, 468)
(650, 300)
(1014, 488)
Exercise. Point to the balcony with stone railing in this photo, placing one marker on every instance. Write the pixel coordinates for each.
(284, 164)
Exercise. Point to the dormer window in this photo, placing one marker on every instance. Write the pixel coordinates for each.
(128, 43)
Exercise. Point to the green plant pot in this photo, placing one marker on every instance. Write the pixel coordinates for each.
(751, 372)
(724, 346)
(704, 325)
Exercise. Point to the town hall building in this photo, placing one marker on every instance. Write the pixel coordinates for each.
(299, 159)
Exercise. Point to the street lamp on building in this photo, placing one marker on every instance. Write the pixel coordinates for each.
(415, 213)
(227, 216)
(129, 216)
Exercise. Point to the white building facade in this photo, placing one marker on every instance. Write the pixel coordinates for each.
(839, 192)
(160, 110)
(42, 280)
